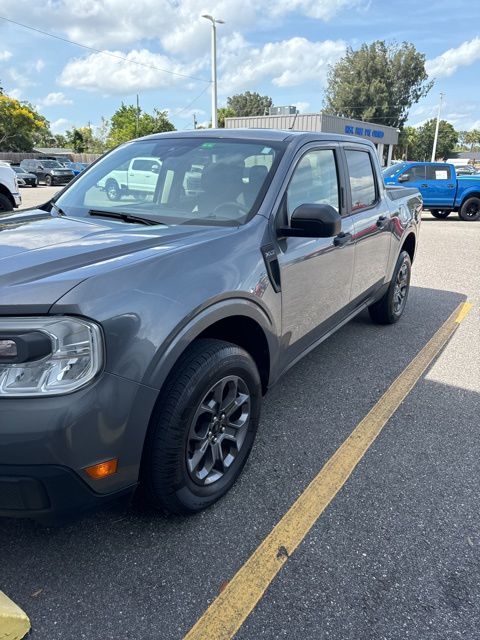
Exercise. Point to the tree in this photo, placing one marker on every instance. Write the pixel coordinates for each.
(224, 112)
(407, 143)
(21, 126)
(377, 83)
(422, 148)
(472, 138)
(127, 123)
(249, 104)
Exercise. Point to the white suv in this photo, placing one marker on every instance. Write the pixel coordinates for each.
(9, 196)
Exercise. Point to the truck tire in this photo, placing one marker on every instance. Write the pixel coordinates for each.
(390, 307)
(470, 210)
(202, 429)
(438, 213)
(5, 204)
(112, 189)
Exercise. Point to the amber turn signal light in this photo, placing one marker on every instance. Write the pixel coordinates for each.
(102, 469)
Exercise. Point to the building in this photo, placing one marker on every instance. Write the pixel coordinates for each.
(383, 137)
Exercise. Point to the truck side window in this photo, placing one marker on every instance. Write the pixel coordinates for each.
(314, 181)
(438, 172)
(415, 173)
(362, 179)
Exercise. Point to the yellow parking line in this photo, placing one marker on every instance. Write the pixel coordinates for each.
(14, 623)
(465, 308)
(230, 609)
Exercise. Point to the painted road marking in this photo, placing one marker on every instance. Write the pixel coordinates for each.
(14, 623)
(230, 609)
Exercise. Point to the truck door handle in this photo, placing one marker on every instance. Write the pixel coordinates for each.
(382, 222)
(451, 186)
(424, 186)
(342, 239)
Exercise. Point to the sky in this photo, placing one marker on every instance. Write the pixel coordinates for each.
(281, 48)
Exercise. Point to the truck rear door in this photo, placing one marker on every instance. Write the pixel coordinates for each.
(142, 175)
(370, 214)
(440, 185)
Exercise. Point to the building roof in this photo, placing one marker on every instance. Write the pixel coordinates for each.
(53, 151)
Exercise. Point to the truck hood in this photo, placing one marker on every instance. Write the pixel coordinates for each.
(43, 256)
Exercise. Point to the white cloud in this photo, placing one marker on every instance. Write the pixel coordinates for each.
(5, 55)
(287, 63)
(60, 125)
(39, 65)
(99, 72)
(54, 99)
(447, 63)
(174, 23)
(16, 94)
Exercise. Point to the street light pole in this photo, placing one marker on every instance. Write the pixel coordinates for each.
(435, 139)
(214, 22)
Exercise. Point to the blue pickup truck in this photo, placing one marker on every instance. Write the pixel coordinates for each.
(442, 190)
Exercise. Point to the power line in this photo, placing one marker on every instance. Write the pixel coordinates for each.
(105, 53)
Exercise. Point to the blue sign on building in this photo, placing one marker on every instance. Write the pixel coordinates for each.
(361, 131)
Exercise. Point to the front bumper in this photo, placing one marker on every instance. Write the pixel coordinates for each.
(17, 198)
(38, 436)
(49, 493)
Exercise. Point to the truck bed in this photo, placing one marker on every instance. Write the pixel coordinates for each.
(395, 193)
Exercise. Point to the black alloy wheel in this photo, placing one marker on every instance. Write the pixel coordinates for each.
(470, 210)
(203, 427)
(218, 430)
(441, 215)
(48, 181)
(389, 309)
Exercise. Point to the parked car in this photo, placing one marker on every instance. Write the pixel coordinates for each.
(50, 172)
(10, 198)
(465, 170)
(28, 179)
(441, 190)
(133, 355)
(136, 177)
(76, 167)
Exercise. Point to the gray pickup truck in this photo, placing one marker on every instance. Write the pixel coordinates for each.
(137, 337)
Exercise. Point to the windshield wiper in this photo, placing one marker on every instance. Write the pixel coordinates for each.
(125, 217)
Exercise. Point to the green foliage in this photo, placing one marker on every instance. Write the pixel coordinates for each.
(128, 122)
(378, 83)
(417, 143)
(21, 126)
(472, 138)
(249, 104)
(222, 113)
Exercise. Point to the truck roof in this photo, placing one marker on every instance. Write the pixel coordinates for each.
(267, 135)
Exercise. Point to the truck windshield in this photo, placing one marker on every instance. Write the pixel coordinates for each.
(195, 181)
(394, 170)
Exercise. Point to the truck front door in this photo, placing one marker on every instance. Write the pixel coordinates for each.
(315, 273)
(142, 175)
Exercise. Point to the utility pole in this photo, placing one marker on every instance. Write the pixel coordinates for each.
(136, 117)
(435, 139)
(195, 121)
(214, 22)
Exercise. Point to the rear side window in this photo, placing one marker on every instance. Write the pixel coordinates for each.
(362, 179)
(438, 172)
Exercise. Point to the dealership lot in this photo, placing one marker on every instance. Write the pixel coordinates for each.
(395, 555)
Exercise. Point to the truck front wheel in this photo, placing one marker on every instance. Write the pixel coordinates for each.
(112, 190)
(470, 210)
(441, 215)
(5, 204)
(203, 427)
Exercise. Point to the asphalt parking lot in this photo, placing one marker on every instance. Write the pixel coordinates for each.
(395, 555)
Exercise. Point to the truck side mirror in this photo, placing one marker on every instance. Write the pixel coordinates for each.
(313, 221)
(405, 177)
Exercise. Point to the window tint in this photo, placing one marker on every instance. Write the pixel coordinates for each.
(315, 181)
(362, 181)
(438, 172)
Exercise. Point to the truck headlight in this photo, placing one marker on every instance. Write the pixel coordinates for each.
(48, 356)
